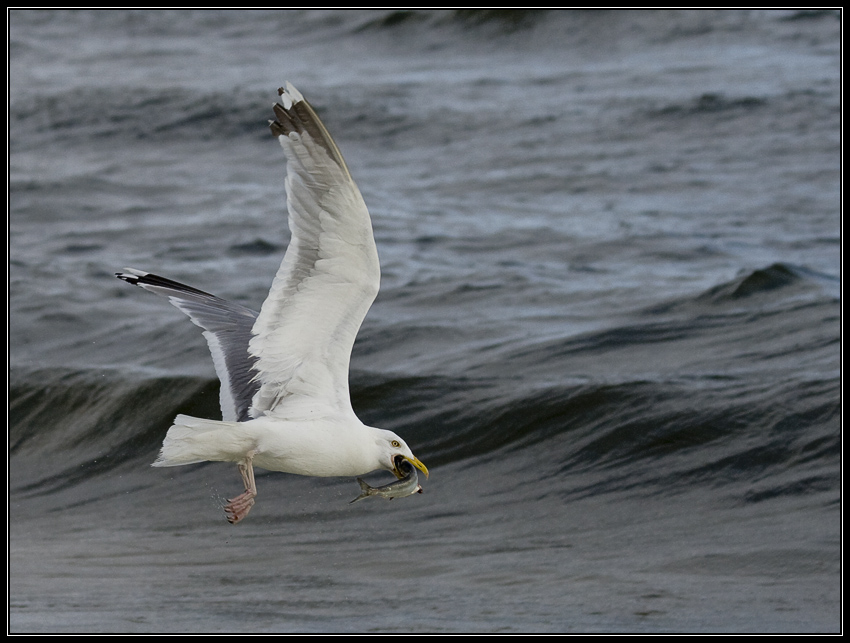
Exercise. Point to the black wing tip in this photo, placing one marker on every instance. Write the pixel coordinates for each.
(290, 115)
(293, 114)
(142, 279)
(276, 129)
(131, 276)
(288, 119)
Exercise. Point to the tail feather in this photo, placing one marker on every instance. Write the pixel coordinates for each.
(191, 440)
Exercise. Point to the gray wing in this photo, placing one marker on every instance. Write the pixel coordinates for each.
(227, 329)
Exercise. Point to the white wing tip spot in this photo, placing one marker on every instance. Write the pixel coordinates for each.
(294, 93)
(289, 96)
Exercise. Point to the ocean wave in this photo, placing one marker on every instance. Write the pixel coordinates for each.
(630, 374)
(150, 114)
(89, 422)
(653, 436)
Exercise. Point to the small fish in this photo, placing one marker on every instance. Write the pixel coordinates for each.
(406, 486)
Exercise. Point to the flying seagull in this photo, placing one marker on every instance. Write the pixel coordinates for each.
(285, 402)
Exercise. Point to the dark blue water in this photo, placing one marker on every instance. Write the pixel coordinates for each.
(609, 320)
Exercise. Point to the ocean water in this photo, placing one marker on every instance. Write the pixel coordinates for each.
(609, 319)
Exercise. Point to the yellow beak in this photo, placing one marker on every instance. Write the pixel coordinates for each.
(416, 463)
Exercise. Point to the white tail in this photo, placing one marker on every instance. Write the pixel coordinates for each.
(191, 440)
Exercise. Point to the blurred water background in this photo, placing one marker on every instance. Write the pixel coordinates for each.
(609, 320)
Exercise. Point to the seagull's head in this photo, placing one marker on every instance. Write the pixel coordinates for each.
(393, 447)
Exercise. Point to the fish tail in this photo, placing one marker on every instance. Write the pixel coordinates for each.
(365, 488)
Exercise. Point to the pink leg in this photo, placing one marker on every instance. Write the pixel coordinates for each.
(237, 508)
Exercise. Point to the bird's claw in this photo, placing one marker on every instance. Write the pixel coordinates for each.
(237, 508)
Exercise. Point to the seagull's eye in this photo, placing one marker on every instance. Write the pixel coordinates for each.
(396, 443)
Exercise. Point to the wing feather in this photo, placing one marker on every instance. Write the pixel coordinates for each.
(227, 329)
(329, 276)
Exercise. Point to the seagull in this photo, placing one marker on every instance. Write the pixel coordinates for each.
(284, 398)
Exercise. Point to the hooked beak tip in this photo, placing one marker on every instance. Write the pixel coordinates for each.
(418, 464)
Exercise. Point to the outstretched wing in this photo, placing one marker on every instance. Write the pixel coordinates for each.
(329, 276)
(227, 328)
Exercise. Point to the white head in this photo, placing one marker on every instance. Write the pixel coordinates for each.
(390, 445)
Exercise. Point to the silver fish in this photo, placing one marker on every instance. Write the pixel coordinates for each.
(406, 486)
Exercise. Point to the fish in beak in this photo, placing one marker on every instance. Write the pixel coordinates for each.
(415, 462)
